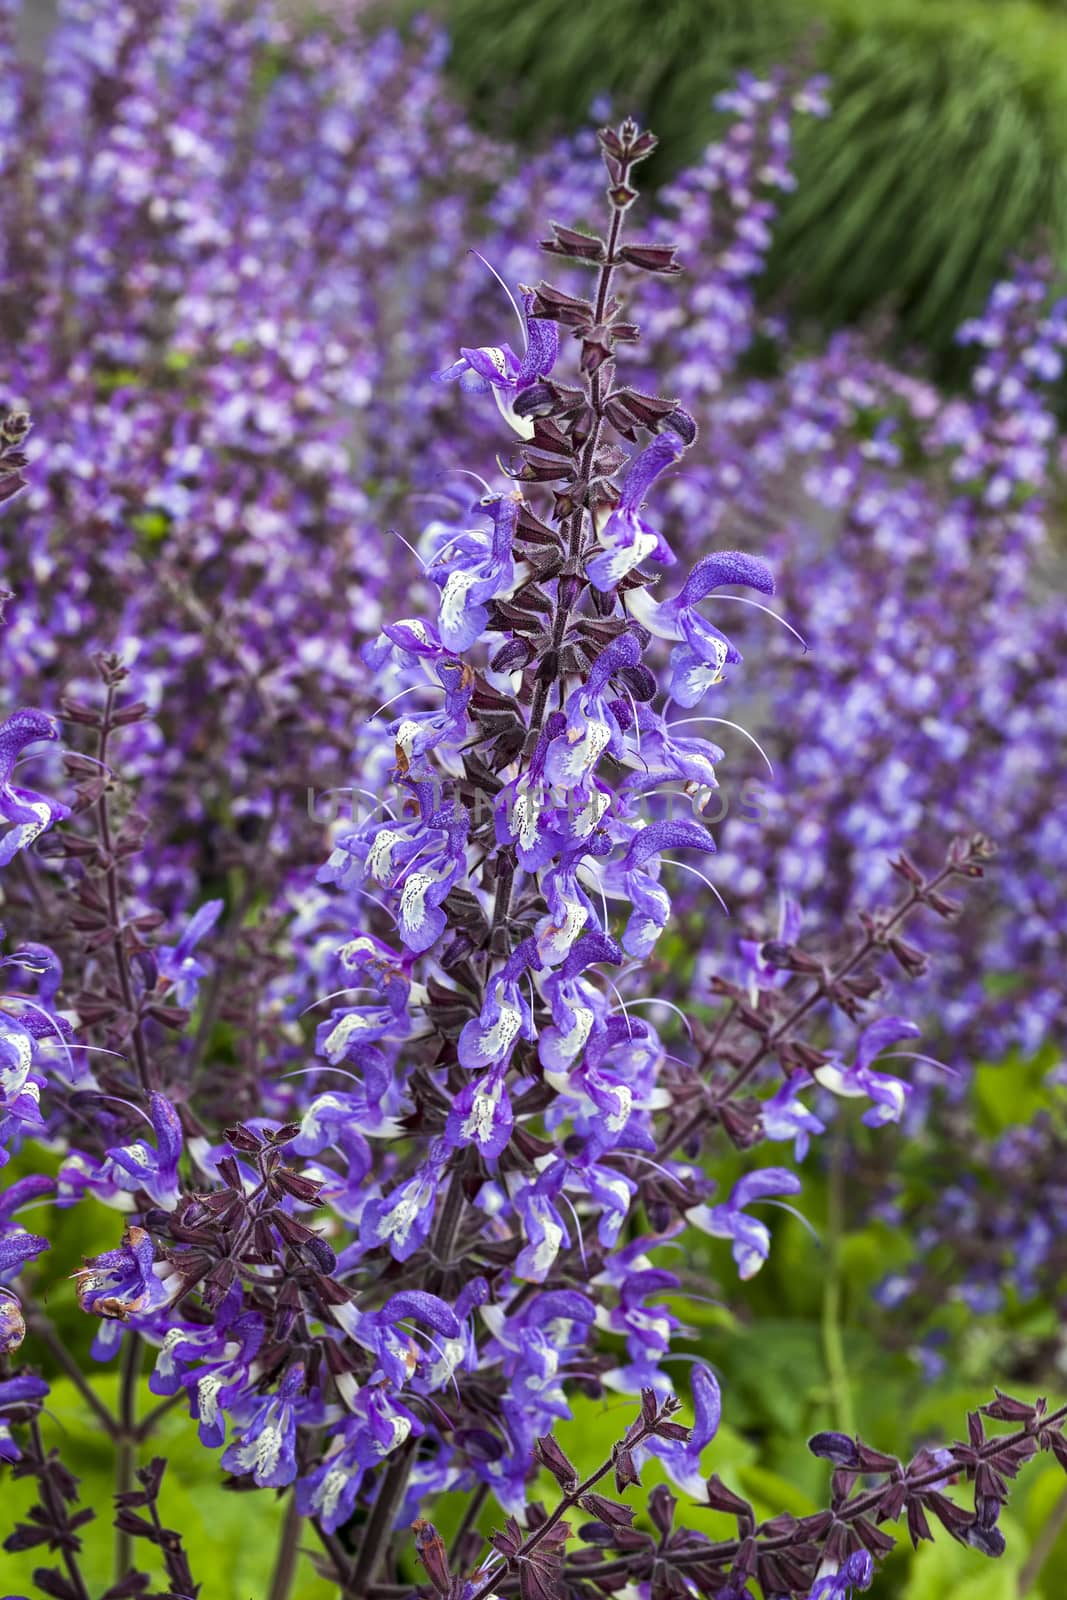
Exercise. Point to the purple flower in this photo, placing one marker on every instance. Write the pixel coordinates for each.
(481, 1115)
(473, 569)
(178, 964)
(612, 1191)
(20, 1084)
(856, 1573)
(592, 727)
(382, 1331)
(683, 1460)
(267, 1446)
(785, 1116)
(570, 911)
(542, 1226)
(225, 1379)
(16, 1245)
(138, 1166)
(377, 1426)
(342, 1118)
(626, 539)
(647, 1329)
(401, 1221)
(121, 1282)
(639, 872)
(698, 662)
(669, 756)
(890, 1095)
(579, 1010)
(534, 1343)
(499, 369)
(28, 813)
(23, 1391)
(505, 1015)
(751, 1240)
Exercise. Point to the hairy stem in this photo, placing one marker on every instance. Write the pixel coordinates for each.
(470, 1515)
(577, 520)
(40, 1325)
(126, 1442)
(541, 1533)
(380, 1523)
(724, 1550)
(288, 1549)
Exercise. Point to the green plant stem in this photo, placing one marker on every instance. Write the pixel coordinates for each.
(126, 1443)
(832, 1341)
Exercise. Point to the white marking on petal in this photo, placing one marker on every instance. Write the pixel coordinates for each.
(207, 1395)
(380, 854)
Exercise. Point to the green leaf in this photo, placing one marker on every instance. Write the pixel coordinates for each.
(1012, 1092)
(946, 1570)
(231, 1537)
(773, 1493)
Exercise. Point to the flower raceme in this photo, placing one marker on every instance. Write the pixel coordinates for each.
(383, 1291)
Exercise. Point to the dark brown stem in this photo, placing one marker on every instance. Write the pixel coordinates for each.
(470, 1515)
(596, 401)
(288, 1549)
(728, 1548)
(30, 879)
(872, 940)
(444, 1237)
(379, 1525)
(126, 1443)
(37, 1323)
(332, 1545)
(540, 1533)
(53, 1504)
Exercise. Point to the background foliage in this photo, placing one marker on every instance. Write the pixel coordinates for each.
(947, 147)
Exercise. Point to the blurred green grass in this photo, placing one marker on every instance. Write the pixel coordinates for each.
(947, 149)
